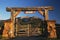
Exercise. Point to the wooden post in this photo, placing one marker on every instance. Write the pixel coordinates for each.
(46, 14)
(13, 21)
(13, 16)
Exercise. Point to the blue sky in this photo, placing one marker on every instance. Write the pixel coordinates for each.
(53, 15)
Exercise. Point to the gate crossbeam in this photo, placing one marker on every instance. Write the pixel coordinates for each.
(29, 8)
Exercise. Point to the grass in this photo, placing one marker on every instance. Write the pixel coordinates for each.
(31, 38)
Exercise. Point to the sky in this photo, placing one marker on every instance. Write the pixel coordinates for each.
(53, 15)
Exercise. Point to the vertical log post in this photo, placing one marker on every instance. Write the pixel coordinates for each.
(13, 16)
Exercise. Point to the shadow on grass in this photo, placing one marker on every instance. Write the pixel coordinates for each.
(28, 38)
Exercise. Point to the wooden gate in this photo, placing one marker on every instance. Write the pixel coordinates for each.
(27, 29)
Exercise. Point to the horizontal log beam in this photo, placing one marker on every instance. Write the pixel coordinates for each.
(29, 8)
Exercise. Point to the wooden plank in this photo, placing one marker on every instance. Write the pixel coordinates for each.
(29, 8)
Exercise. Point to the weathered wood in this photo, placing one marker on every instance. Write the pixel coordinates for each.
(42, 10)
(51, 28)
(29, 8)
